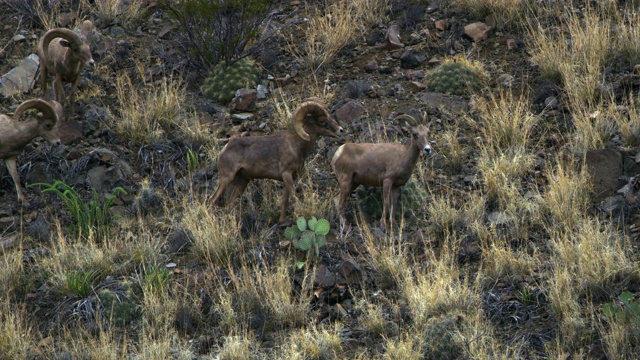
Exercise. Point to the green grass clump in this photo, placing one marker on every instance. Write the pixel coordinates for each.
(92, 217)
(455, 77)
(224, 80)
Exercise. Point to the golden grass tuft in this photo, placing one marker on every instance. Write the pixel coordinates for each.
(216, 234)
(313, 344)
(125, 13)
(508, 13)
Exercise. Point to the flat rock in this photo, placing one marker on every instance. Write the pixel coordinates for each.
(452, 103)
(605, 168)
(477, 31)
(350, 112)
(21, 78)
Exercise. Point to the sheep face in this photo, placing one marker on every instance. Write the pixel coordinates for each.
(82, 53)
(327, 127)
(421, 136)
(48, 129)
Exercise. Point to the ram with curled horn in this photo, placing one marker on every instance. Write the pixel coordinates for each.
(16, 134)
(64, 54)
(386, 165)
(279, 156)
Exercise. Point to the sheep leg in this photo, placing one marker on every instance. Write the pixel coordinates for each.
(239, 184)
(72, 94)
(13, 170)
(345, 189)
(387, 185)
(223, 183)
(43, 79)
(395, 193)
(59, 89)
(289, 187)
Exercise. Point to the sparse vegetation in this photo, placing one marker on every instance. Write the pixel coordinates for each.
(511, 250)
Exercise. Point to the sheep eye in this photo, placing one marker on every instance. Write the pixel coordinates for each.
(48, 126)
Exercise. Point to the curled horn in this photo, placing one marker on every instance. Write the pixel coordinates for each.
(304, 109)
(407, 118)
(41, 105)
(66, 34)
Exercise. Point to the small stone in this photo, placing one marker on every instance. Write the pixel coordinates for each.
(393, 38)
(442, 25)
(637, 69)
(371, 66)
(512, 44)
(415, 86)
(477, 31)
(505, 80)
(19, 38)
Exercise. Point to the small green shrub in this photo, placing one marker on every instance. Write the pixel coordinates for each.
(439, 341)
(120, 307)
(224, 80)
(308, 235)
(92, 218)
(455, 77)
(624, 309)
(219, 31)
(81, 283)
(156, 279)
(412, 198)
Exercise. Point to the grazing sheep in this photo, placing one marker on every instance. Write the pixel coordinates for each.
(386, 165)
(278, 156)
(64, 54)
(15, 134)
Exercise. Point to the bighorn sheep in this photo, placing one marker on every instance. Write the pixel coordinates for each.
(15, 134)
(278, 156)
(386, 165)
(64, 54)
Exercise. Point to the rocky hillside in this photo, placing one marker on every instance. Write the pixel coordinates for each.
(515, 238)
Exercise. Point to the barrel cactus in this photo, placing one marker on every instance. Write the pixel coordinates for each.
(412, 199)
(439, 341)
(456, 77)
(120, 305)
(224, 80)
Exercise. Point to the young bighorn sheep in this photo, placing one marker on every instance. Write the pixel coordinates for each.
(386, 165)
(278, 156)
(64, 54)
(16, 134)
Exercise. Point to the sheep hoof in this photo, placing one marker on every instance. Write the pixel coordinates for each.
(284, 223)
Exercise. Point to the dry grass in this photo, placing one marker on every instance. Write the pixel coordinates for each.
(216, 235)
(331, 27)
(150, 111)
(507, 122)
(124, 13)
(508, 13)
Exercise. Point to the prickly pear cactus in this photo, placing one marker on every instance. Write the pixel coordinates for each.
(223, 81)
(439, 341)
(412, 199)
(455, 77)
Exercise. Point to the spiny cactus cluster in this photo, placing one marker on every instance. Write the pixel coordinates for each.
(119, 307)
(438, 337)
(455, 77)
(412, 198)
(223, 81)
